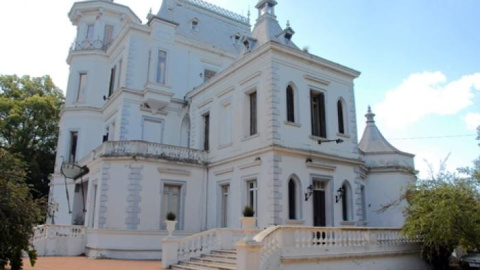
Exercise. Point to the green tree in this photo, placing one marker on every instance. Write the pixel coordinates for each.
(29, 116)
(19, 211)
(444, 211)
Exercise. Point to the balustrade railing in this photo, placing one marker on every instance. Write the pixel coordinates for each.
(87, 44)
(145, 149)
(59, 240)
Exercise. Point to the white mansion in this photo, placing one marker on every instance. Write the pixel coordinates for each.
(195, 113)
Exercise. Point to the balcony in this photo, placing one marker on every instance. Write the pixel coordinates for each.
(146, 150)
(86, 45)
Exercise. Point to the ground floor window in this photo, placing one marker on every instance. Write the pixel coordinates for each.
(252, 195)
(171, 202)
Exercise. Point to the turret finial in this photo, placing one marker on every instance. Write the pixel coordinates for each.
(370, 115)
(288, 23)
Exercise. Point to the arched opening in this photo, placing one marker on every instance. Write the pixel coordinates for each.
(347, 212)
(290, 104)
(292, 192)
(341, 116)
(185, 132)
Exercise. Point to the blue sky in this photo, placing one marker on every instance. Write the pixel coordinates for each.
(419, 60)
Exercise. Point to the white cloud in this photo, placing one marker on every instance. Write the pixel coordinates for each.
(423, 94)
(472, 121)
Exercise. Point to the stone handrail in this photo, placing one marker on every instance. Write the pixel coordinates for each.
(145, 149)
(181, 249)
(49, 231)
(278, 241)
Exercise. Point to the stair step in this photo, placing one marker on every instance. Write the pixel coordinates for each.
(209, 259)
(219, 257)
(225, 251)
(188, 267)
(220, 266)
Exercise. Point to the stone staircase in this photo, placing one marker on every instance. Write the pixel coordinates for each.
(216, 260)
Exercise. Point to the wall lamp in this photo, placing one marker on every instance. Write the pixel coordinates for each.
(339, 195)
(309, 192)
(327, 141)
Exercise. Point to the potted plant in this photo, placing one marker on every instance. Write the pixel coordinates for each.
(248, 219)
(171, 223)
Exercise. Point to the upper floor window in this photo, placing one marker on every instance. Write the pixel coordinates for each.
(111, 88)
(206, 131)
(90, 32)
(253, 113)
(208, 74)
(82, 85)
(72, 155)
(161, 66)
(252, 195)
(290, 105)
(341, 117)
(194, 24)
(317, 104)
(108, 35)
(346, 201)
(292, 200)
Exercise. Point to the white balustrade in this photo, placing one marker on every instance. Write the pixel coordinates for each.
(59, 240)
(144, 149)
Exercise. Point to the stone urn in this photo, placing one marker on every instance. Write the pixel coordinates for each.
(170, 226)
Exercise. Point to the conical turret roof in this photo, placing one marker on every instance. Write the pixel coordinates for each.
(372, 140)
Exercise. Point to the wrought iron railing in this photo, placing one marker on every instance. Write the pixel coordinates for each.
(86, 44)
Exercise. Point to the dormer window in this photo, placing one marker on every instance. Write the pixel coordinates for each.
(236, 38)
(194, 25)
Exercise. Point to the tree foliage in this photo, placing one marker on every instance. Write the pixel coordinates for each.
(29, 116)
(445, 212)
(19, 211)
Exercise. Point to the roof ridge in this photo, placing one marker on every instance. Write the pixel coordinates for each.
(219, 10)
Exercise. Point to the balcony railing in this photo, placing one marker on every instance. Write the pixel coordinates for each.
(90, 45)
(145, 149)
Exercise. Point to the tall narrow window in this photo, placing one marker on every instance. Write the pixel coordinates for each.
(290, 105)
(319, 127)
(90, 32)
(108, 36)
(292, 200)
(206, 132)
(171, 201)
(72, 156)
(112, 81)
(161, 66)
(82, 84)
(341, 125)
(252, 194)
(344, 202)
(224, 209)
(253, 113)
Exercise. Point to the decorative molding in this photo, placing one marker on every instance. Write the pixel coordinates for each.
(206, 102)
(316, 79)
(249, 78)
(223, 171)
(226, 91)
(321, 166)
(174, 171)
(250, 164)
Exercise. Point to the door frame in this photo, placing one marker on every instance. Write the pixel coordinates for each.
(329, 205)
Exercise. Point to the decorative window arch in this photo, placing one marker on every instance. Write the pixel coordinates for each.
(194, 24)
(185, 132)
(294, 198)
(341, 116)
(290, 104)
(347, 200)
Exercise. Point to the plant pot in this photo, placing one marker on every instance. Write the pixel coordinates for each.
(248, 224)
(170, 226)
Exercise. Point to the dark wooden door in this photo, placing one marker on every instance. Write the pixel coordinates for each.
(319, 218)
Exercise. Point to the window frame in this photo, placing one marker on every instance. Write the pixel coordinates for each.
(341, 117)
(290, 102)
(181, 202)
(318, 113)
(253, 113)
(252, 194)
(81, 87)
(73, 146)
(206, 130)
(160, 76)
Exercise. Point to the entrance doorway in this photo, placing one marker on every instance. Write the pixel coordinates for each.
(319, 205)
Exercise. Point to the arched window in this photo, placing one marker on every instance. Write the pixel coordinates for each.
(292, 199)
(346, 201)
(290, 105)
(185, 132)
(341, 119)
